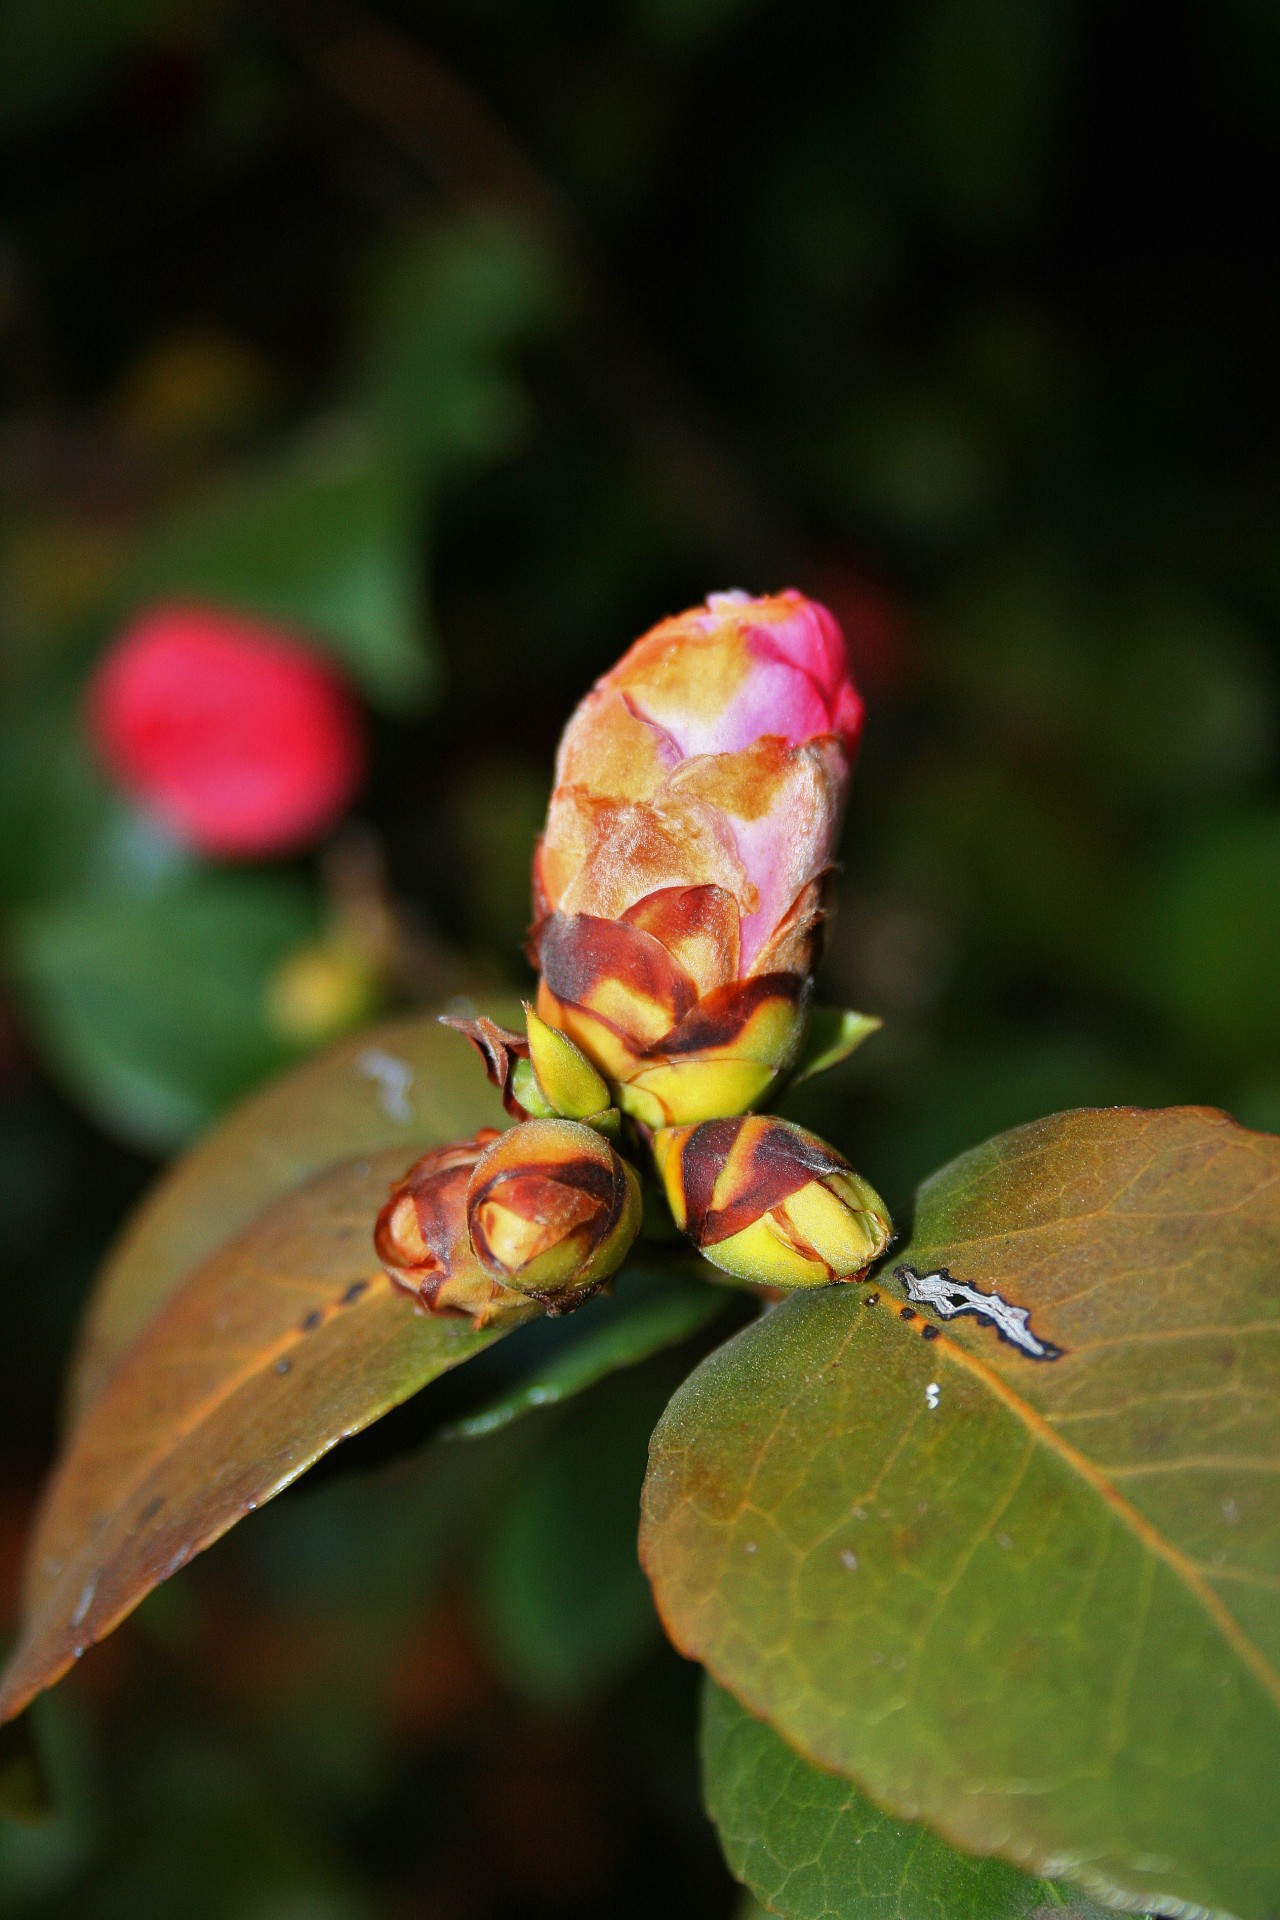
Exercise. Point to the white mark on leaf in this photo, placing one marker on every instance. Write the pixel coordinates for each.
(85, 1601)
(393, 1079)
(950, 1297)
(932, 1395)
(1230, 1511)
(849, 1559)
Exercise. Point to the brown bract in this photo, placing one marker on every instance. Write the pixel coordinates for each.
(421, 1235)
(733, 1171)
(769, 1202)
(499, 1048)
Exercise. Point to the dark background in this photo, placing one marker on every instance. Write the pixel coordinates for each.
(469, 338)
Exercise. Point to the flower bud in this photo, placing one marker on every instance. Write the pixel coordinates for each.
(770, 1203)
(239, 739)
(552, 1211)
(679, 884)
(422, 1241)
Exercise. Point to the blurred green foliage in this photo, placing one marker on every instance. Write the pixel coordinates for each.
(470, 338)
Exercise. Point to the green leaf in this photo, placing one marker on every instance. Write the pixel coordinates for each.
(811, 1847)
(1034, 1602)
(561, 1593)
(25, 1792)
(155, 1007)
(283, 1342)
(833, 1033)
(1204, 941)
(48, 1813)
(52, 51)
(446, 317)
(409, 1084)
(65, 831)
(326, 541)
(985, 89)
(654, 1307)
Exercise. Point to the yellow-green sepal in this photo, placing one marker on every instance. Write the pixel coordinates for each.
(832, 1034)
(525, 1089)
(566, 1077)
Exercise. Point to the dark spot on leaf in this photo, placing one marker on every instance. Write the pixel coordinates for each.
(353, 1292)
(928, 1333)
(907, 1313)
(873, 1299)
(150, 1511)
(311, 1322)
(283, 1366)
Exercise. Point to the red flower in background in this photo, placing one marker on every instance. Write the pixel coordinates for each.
(240, 739)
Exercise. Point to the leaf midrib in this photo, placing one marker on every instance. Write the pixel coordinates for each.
(152, 1463)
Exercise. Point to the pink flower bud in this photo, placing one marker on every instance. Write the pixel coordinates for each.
(678, 886)
(239, 739)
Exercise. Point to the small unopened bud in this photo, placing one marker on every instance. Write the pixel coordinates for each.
(770, 1203)
(422, 1241)
(552, 1211)
(567, 1078)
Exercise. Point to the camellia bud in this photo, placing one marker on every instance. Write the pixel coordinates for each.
(238, 738)
(552, 1211)
(770, 1203)
(679, 884)
(422, 1241)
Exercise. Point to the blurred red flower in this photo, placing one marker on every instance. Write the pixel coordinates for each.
(237, 737)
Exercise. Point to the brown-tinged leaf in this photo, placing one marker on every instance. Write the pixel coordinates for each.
(281, 1343)
(407, 1081)
(1018, 1578)
(813, 1848)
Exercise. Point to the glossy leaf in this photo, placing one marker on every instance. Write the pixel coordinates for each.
(154, 1007)
(324, 541)
(811, 1847)
(1034, 1602)
(283, 1342)
(560, 1593)
(65, 833)
(445, 322)
(652, 1308)
(25, 1792)
(1202, 944)
(408, 1083)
